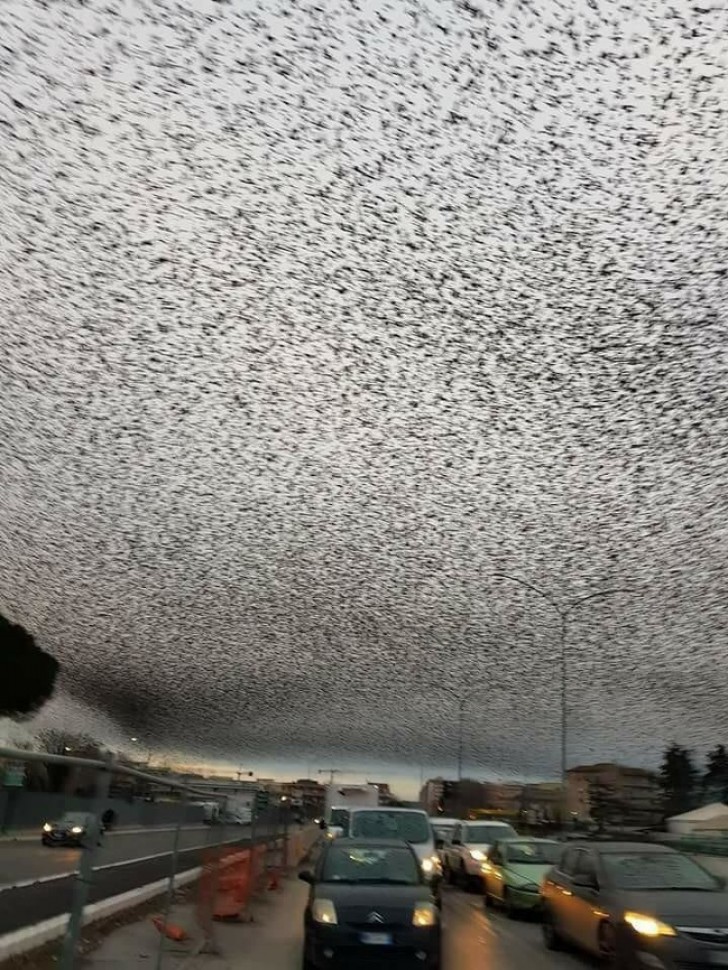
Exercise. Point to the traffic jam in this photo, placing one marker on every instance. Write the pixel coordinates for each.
(379, 889)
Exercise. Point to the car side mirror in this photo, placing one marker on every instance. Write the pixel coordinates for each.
(322, 825)
(457, 842)
(306, 876)
(585, 882)
(439, 843)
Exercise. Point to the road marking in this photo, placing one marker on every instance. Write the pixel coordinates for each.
(111, 865)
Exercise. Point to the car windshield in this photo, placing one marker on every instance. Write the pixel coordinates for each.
(75, 818)
(488, 834)
(536, 853)
(339, 817)
(409, 826)
(383, 865)
(657, 870)
(443, 831)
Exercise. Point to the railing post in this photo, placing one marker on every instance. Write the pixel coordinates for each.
(170, 884)
(84, 876)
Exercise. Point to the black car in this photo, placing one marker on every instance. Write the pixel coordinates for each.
(636, 905)
(71, 829)
(370, 906)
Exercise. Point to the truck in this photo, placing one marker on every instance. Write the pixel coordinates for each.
(238, 809)
(340, 799)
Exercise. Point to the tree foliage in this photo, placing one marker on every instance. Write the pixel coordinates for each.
(679, 780)
(27, 673)
(605, 807)
(715, 779)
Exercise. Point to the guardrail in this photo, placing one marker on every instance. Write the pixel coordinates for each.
(273, 825)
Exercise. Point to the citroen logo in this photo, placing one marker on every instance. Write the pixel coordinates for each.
(375, 918)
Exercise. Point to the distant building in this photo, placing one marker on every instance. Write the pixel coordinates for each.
(634, 792)
(306, 794)
(385, 794)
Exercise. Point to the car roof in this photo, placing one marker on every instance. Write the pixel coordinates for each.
(487, 821)
(527, 838)
(370, 844)
(386, 808)
(609, 847)
(438, 820)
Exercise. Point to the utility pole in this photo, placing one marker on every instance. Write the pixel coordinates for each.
(564, 611)
(461, 727)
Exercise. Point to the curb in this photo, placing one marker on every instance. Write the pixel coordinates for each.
(31, 937)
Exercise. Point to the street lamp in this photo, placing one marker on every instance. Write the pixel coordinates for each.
(564, 611)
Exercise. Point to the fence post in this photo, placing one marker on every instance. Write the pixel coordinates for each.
(170, 884)
(84, 876)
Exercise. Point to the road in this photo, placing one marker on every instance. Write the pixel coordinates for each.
(39, 880)
(22, 862)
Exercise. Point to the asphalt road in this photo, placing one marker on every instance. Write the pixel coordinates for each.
(25, 861)
(35, 887)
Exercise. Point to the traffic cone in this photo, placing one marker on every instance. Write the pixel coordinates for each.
(170, 930)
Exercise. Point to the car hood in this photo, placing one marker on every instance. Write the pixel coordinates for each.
(522, 873)
(680, 905)
(62, 826)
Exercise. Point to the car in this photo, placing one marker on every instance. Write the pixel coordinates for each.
(636, 905)
(410, 824)
(70, 829)
(513, 870)
(443, 829)
(370, 904)
(468, 848)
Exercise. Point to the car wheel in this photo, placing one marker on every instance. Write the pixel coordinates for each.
(551, 937)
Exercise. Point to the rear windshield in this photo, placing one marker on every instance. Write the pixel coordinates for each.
(535, 853)
(657, 870)
(488, 834)
(380, 865)
(410, 826)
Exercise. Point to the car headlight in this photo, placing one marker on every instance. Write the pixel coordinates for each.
(47, 827)
(77, 830)
(477, 855)
(430, 865)
(425, 914)
(648, 925)
(323, 911)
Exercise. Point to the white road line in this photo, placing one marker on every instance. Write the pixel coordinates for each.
(110, 865)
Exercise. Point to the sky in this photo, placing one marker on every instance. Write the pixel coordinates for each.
(319, 317)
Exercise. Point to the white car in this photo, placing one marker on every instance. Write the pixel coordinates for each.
(464, 856)
(443, 829)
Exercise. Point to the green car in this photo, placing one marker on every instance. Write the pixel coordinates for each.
(513, 869)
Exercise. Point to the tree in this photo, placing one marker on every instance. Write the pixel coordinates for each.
(678, 780)
(715, 779)
(605, 807)
(72, 780)
(27, 673)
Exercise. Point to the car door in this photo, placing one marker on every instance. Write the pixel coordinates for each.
(558, 894)
(586, 912)
(495, 874)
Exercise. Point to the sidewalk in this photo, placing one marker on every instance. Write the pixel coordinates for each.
(272, 941)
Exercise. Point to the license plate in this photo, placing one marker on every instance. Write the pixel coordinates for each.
(719, 959)
(377, 939)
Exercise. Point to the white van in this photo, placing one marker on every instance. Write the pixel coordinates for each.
(410, 824)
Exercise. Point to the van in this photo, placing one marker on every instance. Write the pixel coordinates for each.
(409, 824)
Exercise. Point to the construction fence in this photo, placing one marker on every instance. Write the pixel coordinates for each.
(225, 863)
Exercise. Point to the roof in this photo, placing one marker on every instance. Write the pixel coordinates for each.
(385, 808)
(714, 810)
(643, 847)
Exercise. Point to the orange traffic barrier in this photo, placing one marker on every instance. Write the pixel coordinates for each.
(233, 886)
(170, 930)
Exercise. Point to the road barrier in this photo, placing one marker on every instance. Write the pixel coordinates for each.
(273, 843)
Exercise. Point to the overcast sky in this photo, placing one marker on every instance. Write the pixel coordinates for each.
(318, 315)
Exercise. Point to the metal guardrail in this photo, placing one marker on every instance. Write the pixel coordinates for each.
(104, 770)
